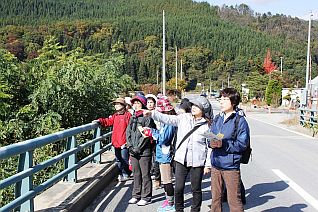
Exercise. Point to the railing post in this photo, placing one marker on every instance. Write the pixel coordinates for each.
(302, 119)
(24, 186)
(97, 146)
(71, 160)
(312, 118)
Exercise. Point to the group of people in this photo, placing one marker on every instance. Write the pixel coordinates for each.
(178, 138)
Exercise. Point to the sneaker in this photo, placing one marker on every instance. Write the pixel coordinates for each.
(133, 201)
(166, 208)
(164, 204)
(122, 178)
(143, 202)
(170, 208)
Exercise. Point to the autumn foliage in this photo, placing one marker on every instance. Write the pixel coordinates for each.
(268, 65)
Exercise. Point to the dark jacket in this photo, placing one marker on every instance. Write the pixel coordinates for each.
(136, 143)
(229, 155)
(119, 123)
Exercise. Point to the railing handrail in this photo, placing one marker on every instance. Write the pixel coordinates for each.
(25, 192)
(31, 144)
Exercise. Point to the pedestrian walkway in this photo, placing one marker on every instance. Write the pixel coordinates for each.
(115, 198)
(74, 196)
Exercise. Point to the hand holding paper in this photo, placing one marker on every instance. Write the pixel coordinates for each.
(216, 140)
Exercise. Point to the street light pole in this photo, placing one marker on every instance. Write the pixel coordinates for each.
(281, 66)
(176, 68)
(308, 58)
(163, 54)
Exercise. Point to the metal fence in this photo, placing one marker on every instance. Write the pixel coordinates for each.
(308, 117)
(25, 191)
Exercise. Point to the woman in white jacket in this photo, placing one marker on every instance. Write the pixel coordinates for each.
(192, 156)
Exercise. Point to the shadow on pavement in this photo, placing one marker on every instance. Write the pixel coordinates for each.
(293, 208)
(256, 195)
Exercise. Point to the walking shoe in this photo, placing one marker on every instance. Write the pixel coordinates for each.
(133, 201)
(166, 208)
(122, 178)
(170, 208)
(164, 204)
(143, 202)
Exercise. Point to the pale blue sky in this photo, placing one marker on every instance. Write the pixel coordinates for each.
(299, 8)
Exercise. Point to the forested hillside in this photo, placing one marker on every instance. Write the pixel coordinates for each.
(134, 27)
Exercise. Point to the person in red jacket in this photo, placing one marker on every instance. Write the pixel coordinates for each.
(119, 120)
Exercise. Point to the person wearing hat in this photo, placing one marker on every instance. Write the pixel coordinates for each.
(192, 152)
(185, 106)
(164, 138)
(119, 120)
(140, 150)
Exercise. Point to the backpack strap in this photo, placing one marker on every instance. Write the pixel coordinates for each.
(235, 131)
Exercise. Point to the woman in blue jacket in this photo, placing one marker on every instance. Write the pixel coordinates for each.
(164, 137)
(227, 151)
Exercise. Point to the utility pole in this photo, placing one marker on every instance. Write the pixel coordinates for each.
(181, 69)
(228, 81)
(176, 67)
(281, 66)
(163, 54)
(308, 58)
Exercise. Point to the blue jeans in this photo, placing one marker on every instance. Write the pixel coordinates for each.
(122, 158)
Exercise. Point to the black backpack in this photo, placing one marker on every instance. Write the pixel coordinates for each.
(246, 154)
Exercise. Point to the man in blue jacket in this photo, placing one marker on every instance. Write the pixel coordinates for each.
(232, 140)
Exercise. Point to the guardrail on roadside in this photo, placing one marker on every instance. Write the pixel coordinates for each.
(23, 179)
(308, 116)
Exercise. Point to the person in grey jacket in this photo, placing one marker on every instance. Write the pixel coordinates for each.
(193, 154)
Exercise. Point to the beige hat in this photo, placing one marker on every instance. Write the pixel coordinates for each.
(120, 100)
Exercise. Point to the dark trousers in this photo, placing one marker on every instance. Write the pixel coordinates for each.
(231, 178)
(155, 170)
(196, 175)
(122, 157)
(142, 187)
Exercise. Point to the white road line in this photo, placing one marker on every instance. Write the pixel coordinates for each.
(310, 199)
(274, 125)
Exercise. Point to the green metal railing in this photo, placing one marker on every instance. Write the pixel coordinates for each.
(25, 191)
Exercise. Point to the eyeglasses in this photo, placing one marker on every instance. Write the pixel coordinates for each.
(224, 98)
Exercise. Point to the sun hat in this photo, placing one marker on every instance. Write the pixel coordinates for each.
(204, 105)
(140, 98)
(163, 105)
(120, 100)
(151, 96)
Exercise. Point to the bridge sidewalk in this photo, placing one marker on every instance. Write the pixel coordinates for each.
(68, 196)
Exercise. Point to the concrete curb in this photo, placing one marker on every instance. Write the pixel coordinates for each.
(85, 198)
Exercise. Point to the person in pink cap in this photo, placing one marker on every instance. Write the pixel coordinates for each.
(140, 150)
(164, 138)
(119, 120)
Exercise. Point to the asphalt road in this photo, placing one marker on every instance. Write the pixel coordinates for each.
(282, 175)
